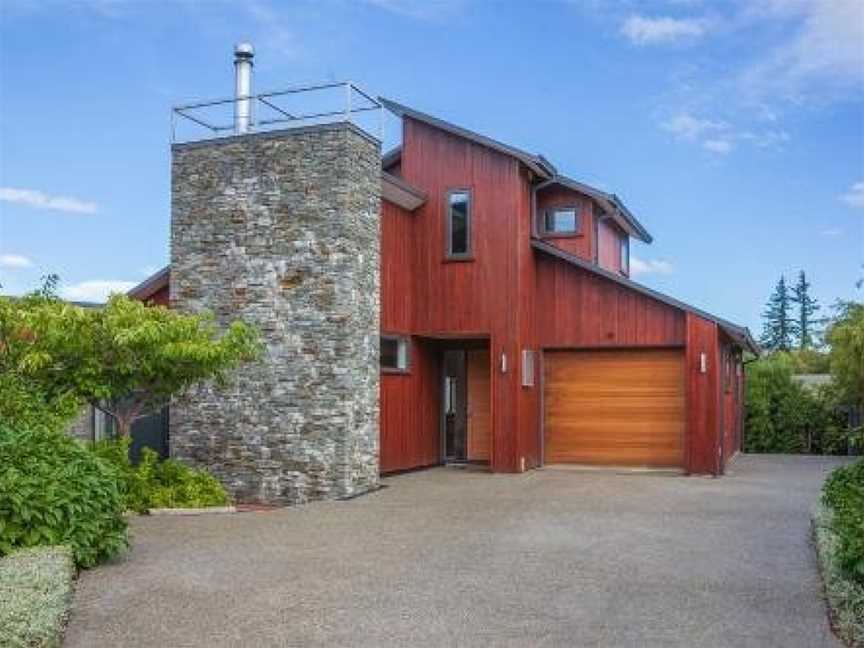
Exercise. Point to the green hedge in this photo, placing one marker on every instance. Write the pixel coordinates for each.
(782, 416)
(843, 494)
(35, 593)
(53, 491)
(159, 484)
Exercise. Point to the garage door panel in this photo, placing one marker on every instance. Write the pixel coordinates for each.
(621, 407)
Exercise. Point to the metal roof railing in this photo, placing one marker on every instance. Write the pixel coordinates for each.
(334, 102)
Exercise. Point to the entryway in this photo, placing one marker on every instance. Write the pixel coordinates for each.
(466, 413)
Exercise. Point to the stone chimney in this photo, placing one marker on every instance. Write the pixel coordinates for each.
(281, 229)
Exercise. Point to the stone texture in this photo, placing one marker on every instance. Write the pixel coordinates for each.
(281, 229)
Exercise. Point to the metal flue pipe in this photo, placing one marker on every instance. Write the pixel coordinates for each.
(243, 54)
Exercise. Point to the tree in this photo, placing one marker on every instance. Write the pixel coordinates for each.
(807, 307)
(846, 337)
(126, 359)
(778, 331)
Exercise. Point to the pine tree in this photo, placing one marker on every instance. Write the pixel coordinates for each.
(778, 332)
(807, 307)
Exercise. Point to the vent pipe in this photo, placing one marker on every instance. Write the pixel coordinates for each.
(243, 54)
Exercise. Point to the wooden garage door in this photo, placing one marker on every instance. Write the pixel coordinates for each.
(623, 407)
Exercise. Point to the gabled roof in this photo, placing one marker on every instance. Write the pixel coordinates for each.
(611, 203)
(151, 285)
(537, 163)
(739, 334)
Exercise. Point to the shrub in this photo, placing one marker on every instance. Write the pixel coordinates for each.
(35, 592)
(843, 494)
(54, 491)
(159, 484)
(784, 416)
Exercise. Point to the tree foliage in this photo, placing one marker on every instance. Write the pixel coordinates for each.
(845, 335)
(806, 308)
(785, 417)
(126, 359)
(779, 327)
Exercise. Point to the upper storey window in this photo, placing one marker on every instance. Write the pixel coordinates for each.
(459, 223)
(560, 221)
(625, 254)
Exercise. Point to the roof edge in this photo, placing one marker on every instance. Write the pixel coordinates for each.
(151, 285)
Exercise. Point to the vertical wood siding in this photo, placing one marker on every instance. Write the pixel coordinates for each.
(703, 397)
(576, 308)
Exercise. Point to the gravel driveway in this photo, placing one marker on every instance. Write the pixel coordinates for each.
(451, 557)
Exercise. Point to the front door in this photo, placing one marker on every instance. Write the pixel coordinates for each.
(466, 412)
(455, 413)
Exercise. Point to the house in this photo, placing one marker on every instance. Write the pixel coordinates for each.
(511, 333)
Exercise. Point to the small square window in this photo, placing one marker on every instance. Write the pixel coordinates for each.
(561, 220)
(394, 353)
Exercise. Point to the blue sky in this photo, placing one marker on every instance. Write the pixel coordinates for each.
(734, 130)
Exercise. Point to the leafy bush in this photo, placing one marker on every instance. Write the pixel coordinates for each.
(843, 494)
(159, 484)
(54, 491)
(35, 592)
(784, 416)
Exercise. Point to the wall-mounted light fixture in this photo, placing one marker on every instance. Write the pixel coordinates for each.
(703, 363)
(503, 362)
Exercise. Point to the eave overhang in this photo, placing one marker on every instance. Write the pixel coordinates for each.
(395, 190)
(151, 285)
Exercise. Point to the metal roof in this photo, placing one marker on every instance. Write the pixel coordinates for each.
(739, 334)
(537, 163)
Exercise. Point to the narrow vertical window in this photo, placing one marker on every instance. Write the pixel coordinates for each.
(625, 255)
(459, 223)
(527, 368)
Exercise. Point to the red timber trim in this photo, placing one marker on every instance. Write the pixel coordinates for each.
(701, 448)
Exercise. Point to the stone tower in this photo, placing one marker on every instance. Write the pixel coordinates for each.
(281, 229)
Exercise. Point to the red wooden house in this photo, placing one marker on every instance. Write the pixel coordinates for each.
(511, 333)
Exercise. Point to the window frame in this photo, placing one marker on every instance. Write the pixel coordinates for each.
(547, 233)
(624, 255)
(403, 345)
(468, 255)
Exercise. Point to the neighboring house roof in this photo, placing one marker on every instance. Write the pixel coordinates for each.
(739, 334)
(151, 285)
(611, 203)
(812, 381)
(537, 163)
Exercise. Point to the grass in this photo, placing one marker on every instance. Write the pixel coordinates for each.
(35, 593)
(845, 597)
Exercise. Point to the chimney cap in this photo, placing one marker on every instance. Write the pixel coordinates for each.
(244, 50)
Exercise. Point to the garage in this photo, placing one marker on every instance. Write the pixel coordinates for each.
(614, 407)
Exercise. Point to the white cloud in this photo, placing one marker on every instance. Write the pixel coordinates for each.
(642, 30)
(824, 55)
(855, 196)
(719, 146)
(831, 232)
(41, 200)
(14, 261)
(651, 266)
(96, 290)
(687, 126)
(420, 9)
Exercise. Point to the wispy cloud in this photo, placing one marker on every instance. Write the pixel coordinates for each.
(96, 290)
(41, 200)
(420, 9)
(14, 261)
(644, 30)
(720, 137)
(718, 146)
(831, 232)
(651, 266)
(855, 196)
(689, 127)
